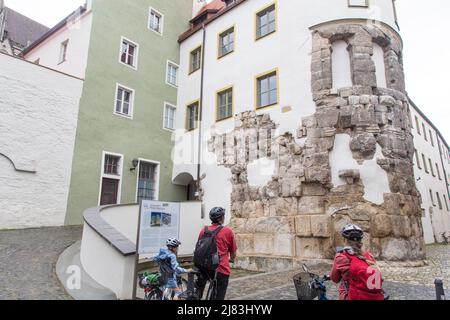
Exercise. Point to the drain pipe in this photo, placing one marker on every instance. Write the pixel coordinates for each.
(200, 119)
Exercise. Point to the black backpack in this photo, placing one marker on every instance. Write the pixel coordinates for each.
(206, 256)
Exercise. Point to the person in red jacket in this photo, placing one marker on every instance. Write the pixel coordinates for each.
(356, 270)
(227, 248)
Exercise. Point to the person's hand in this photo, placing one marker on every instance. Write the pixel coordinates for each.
(190, 270)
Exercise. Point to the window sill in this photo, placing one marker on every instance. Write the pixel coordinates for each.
(193, 71)
(224, 119)
(129, 66)
(126, 116)
(265, 36)
(224, 55)
(268, 106)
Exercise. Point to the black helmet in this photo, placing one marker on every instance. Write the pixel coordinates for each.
(216, 214)
(352, 232)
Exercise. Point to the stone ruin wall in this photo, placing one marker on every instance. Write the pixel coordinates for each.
(298, 215)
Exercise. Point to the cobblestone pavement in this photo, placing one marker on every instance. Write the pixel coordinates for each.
(27, 262)
(403, 281)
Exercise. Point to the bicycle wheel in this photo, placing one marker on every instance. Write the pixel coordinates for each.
(154, 295)
(211, 290)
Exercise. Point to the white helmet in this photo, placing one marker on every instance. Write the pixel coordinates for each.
(173, 242)
(352, 232)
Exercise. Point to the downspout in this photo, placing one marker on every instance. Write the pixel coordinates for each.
(200, 120)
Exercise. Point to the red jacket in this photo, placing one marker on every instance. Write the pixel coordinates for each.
(343, 269)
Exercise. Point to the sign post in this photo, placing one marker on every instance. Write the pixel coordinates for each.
(157, 222)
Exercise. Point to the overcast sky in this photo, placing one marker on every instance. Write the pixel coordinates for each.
(424, 27)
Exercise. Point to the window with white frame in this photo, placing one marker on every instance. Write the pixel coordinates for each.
(169, 116)
(172, 74)
(63, 51)
(358, 3)
(156, 21)
(110, 179)
(147, 187)
(124, 101)
(129, 53)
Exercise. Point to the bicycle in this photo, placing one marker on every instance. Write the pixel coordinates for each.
(310, 286)
(192, 292)
(154, 290)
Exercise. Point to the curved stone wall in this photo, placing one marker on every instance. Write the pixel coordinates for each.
(300, 212)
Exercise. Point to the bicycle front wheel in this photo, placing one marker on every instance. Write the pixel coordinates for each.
(154, 295)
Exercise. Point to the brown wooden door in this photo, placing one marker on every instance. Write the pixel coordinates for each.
(110, 188)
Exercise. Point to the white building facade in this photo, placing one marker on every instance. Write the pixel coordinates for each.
(38, 121)
(431, 168)
(66, 46)
(262, 77)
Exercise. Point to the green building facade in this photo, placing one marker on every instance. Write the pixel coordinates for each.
(122, 149)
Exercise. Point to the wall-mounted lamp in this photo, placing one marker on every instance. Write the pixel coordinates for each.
(134, 163)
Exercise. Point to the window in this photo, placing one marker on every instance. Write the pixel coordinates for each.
(417, 159)
(432, 199)
(445, 201)
(124, 101)
(63, 51)
(156, 21)
(111, 165)
(226, 42)
(438, 172)
(224, 108)
(431, 167)
(169, 116)
(195, 60)
(129, 53)
(431, 138)
(417, 125)
(147, 185)
(439, 200)
(358, 3)
(192, 116)
(110, 180)
(267, 90)
(266, 22)
(425, 163)
(172, 74)
(424, 132)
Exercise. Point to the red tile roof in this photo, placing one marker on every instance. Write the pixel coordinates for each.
(215, 5)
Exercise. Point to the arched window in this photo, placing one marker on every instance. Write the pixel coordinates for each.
(378, 59)
(340, 59)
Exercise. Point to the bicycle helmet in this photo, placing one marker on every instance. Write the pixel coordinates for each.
(352, 232)
(216, 214)
(173, 242)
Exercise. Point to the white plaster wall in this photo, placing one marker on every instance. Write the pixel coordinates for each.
(288, 50)
(378, 59)
(106, 265)
(439, 221)
(78, 32)
(342, 76)
(38, 121)
(374, 178)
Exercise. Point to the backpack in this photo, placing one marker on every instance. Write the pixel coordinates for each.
(364, 281)
(166, 272)
(206, 255)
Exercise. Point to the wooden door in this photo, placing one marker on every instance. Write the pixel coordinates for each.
(110, 189)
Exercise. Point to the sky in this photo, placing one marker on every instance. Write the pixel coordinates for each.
(424, 28)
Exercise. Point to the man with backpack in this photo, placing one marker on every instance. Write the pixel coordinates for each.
(215, 249)
(356, 270)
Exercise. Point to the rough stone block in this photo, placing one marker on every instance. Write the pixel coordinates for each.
(321, 226)
(311, 205)
(284, 245)
(245, 243)
(303, 226)
(264, 243)
(381, 226)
